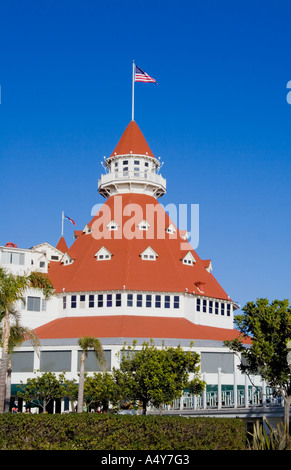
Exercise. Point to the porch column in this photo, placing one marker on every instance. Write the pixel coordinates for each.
(219, 387)
(204, 394)
(246, 391)
(264, 398)
(235, 388)
(181, 402)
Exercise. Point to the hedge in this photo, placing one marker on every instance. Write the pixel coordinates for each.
(119, 432)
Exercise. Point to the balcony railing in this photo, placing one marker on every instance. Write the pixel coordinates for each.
(132, 176)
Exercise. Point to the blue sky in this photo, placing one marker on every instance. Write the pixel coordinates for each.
(219, 120)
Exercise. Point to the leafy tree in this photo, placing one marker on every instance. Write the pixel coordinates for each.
(42, 389)
(87, 343)
(101, 389)
(18, 334)
(70, 389)
(12, 289)
(269, 327)
(157, 376)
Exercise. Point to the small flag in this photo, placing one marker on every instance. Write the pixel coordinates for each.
(71, 220)
(141, 76)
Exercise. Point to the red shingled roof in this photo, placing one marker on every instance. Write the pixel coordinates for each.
(62, 245)
(127, 326)
(126, 270)
(132, 140)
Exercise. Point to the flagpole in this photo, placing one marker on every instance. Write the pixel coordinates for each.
(132, 111)
(62, 223)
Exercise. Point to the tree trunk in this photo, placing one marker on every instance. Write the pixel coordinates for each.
(8, 387)
(144, 407)
(81, 384)
(4, 360)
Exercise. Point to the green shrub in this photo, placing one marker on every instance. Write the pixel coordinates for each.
(118, 432)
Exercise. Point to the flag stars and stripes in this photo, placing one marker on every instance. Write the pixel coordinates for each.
(141, 76)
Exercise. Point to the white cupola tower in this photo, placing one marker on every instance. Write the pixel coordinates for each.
(132, 167)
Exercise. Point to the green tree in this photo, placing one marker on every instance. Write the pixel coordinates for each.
(101, 389)
(12, 289)
(70, 389)
(87, 343)
(268, 325)
(42, 389)
(18, 334)
(157, 376)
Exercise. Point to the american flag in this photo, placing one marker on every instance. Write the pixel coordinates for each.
(71, 220)
(141, 76)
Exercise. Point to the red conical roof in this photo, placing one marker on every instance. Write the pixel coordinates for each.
(62, 245)
(126, 269)
(132, 141)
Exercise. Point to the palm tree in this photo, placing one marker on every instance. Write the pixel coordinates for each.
(18, 334)
(85, 343)
(12, 289)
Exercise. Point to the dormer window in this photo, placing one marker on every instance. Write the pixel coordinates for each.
(171, 229)
(103, 254)
(87, 229)
(208, 265)
(143, 225)
(112, 225)
(149, 254)
(189, 259)
(67, 259)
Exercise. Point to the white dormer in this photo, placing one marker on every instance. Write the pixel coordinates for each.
(171, 229)
(189, 259)
(42, 263)
(143, 225)
(87, 229)
(112, 225)
(149, 254)
(208, 265)
(67, 259)
(103, 254)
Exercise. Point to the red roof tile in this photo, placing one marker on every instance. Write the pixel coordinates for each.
(127, 326)
(132, 140)
(126, 269)
(62, 245)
